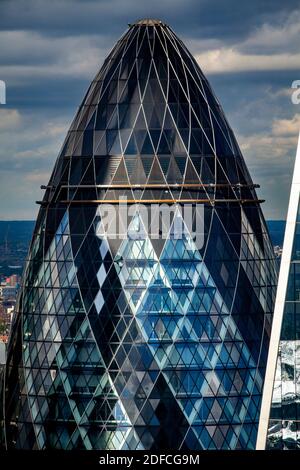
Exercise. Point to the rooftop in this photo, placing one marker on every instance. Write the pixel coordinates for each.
(147, 22)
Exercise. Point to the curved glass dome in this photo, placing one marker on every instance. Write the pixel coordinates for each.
(118, 341)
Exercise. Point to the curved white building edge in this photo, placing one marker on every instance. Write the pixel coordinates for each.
(279, 305)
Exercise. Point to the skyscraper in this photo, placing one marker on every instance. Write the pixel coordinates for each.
(144, 342)
(280, 418)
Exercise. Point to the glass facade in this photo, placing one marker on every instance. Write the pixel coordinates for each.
(284, 422)
(139, 343)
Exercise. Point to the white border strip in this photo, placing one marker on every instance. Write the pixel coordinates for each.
(279, 305)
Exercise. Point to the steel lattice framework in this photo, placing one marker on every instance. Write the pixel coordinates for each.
(143, 343)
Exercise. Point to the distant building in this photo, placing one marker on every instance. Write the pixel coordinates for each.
(8, 292)
(278, 251)
(2, 351)
(13, 280)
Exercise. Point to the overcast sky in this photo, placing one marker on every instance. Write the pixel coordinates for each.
(50, 51)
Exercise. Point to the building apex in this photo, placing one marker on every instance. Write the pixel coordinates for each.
(148, 22)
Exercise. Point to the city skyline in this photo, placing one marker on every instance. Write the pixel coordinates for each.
(51, 52)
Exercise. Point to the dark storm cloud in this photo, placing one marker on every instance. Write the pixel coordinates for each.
(225, 19)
